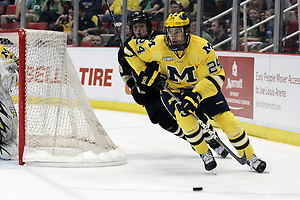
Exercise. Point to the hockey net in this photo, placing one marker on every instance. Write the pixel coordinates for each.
(57, 125)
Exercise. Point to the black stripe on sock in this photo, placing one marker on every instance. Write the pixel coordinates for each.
(239, 138)
(244, 146)
(195, 135)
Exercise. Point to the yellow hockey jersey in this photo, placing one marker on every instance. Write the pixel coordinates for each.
(196, 68)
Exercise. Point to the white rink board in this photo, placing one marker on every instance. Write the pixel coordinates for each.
(279, 111)
(105, 59)
(272, 108)
(283, 98)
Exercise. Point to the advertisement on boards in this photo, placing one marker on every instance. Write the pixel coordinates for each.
(262, 89)
(98, 71)
(238, 85)
(277, 89)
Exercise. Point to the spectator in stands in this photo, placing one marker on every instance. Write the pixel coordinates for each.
(256, 34)
(209, 8)
(128, 32)
(51, 10)
(175, 6)
(116, 8)
(269, 26)
(261, 4)
(33, 11)
(269, 30)
(151, 7)
(115, 41)
(64, 23)
(218, 29)
(89, 25)
(185, 4)
(97, 41)
(204, 34)
(290, 15)
(93, 6)
(5, 3)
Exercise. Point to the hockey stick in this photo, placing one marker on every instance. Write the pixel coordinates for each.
(114, 22)
(122, 46)
(241, 160)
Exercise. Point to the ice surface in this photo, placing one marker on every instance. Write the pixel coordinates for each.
(160, 166)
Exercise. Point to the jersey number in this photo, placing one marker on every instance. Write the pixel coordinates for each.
(212, 66)
(142, 49)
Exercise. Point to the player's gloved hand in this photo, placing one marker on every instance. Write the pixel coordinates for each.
(139, 94)
(153, 79)
(190, 102)
(138, 91)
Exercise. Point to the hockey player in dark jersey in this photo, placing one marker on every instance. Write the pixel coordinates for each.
(141, 28)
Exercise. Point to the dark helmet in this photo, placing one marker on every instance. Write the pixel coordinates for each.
(140, 17)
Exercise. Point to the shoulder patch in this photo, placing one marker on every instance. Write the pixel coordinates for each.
(167, 58)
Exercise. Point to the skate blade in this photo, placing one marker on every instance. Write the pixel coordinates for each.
(213, 172)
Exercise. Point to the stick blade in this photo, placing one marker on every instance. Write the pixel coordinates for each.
(243, 160)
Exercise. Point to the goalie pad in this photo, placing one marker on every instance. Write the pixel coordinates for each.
(9, 73)
(8, 126)
(9, 149)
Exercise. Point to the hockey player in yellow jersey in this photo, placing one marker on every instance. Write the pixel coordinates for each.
(9, 77)
(193, 73)
(141, 28)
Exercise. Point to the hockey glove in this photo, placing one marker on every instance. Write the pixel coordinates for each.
(190, 102)
(139, 95)
(153, 79)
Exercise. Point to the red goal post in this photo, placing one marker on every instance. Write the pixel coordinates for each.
(57, 125)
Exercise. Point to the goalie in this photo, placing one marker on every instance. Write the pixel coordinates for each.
(9, 77)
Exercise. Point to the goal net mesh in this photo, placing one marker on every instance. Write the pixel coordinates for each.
(60, 128)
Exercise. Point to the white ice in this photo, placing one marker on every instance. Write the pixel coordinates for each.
(160, 166)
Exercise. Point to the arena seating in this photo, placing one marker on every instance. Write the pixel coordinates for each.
(11, 9)
(37, 25)
(10, 25)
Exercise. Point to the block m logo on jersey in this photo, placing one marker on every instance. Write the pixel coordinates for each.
(187, 72)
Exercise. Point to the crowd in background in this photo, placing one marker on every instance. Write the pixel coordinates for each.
(95, 21)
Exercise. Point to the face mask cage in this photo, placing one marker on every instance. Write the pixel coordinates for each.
(179, 46)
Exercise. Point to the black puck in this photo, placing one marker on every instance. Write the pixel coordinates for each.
(197, 188)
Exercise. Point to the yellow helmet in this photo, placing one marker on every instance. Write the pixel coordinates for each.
(177, 20)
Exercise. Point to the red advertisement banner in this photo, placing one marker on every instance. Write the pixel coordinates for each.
(238, 85)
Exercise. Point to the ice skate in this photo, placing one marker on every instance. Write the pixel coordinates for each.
(219, 149)
(209, 161)
(257, 164)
